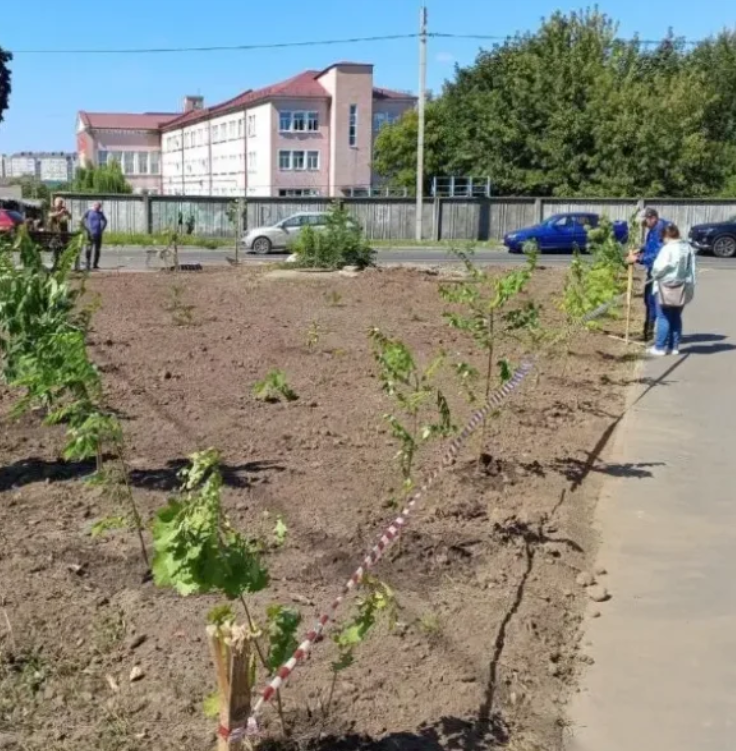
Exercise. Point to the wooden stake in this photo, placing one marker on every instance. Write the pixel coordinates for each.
(230, 647)
(629, 295)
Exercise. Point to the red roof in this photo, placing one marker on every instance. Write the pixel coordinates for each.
(122, 121)
(305, 85)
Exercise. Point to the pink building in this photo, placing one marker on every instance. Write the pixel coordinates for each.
(310, 135)
(133, 141)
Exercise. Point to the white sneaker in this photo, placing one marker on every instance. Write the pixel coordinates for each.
(675, 352)
(654, 352)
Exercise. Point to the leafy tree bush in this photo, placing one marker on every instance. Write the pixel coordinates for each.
(108, 178)
(5, 77)
(340, 243)
(572, 109)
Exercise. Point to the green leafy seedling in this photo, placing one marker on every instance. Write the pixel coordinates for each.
(274, 387)
(280, 532)
(422, 411)
(483, 310)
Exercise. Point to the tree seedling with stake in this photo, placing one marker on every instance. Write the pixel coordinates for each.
(274, 387)
(422, 410)
(314, 334)
(198, 551)
(484, 299)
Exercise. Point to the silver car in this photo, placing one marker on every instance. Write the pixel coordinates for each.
(279, 236)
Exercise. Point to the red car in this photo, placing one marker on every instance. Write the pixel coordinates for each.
(10, 220)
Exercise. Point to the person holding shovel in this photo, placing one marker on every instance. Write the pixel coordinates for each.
(646, 256)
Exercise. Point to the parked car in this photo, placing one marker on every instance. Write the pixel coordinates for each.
(10, 220)
(718, 238)
(562, 233)
(279, 236)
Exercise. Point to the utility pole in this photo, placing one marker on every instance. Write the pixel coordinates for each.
(420, 112)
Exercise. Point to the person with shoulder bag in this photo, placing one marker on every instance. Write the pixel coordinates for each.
(673, 279)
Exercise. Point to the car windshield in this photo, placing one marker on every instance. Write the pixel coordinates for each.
(732, 219)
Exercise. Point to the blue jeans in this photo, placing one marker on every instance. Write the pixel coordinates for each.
(669, 328)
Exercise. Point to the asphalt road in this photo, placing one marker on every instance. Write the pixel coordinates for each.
(132, 258)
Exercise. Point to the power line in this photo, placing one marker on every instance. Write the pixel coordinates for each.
(317, 43)
(233, 48)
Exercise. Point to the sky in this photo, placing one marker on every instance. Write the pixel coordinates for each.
(49, 89)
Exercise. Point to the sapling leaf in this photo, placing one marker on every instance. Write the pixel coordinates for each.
(283, 624)
(105, 525)
(211, 706)
(280, 531)
(221, 615)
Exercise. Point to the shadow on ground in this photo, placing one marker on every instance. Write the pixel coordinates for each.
(29, 471)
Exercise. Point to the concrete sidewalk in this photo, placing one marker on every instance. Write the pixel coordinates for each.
(664, 675)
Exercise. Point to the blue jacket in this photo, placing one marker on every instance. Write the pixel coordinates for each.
(95, 222)
(653, 244)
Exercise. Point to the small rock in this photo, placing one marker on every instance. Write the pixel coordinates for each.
(587, 660)
(136, 674)
(600, 571)
(112, 683)
(136, 642)
(167, 375)
(598, 594)
(585, 579)
(553, 670)
(595, 614)
(568, 593)
(301, 600)
(469, 678)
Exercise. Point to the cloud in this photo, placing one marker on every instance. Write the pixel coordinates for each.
(445, 57)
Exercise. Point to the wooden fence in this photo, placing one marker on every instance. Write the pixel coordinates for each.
(448, 219)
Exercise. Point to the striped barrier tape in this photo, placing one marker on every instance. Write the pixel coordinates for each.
(394, 530)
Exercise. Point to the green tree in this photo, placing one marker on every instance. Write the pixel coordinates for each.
(395, 150)
(5, 77)
(108, 178)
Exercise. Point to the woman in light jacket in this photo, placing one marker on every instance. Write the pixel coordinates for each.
(673, 276)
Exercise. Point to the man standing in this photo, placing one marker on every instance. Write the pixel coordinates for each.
(95, 222)
(646, 256)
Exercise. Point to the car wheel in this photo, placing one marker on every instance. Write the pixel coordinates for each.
(724, 247)
(262, 246)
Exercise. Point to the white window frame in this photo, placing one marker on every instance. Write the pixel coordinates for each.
(313, 161)
(313, 122)
(142, 165)
(284, 116)
(252, 125)
(289, 159)
(294, 165)
(299, 117)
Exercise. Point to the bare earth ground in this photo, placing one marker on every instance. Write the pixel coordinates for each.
(486, 653)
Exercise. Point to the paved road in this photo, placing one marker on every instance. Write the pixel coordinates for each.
(665, 646)
(133, 258)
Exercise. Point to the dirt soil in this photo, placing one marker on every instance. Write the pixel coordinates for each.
(486, 651)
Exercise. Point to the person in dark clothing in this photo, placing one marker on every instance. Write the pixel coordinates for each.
(95, 223)
(646, 256)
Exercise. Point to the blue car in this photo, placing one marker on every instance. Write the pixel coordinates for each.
(562, 233)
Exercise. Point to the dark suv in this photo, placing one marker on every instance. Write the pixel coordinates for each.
(718, 238)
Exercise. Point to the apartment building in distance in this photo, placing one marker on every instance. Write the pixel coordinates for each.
(310, 135)
(133, 141)
(51, 167)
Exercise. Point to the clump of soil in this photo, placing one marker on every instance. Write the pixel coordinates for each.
(485, 651)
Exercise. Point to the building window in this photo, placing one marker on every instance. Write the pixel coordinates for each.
(251, 125)
(299, 121)
(102, 158)
(215, 133)
(297, 158)
(240, 128)
(298, 193)
(155, 162)
(252, 156)
(129, 163)
(284, 160)
(353, 127)
(284, 121)
(313, 121)
(232, 129)
(142, 162)
(313, 160)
